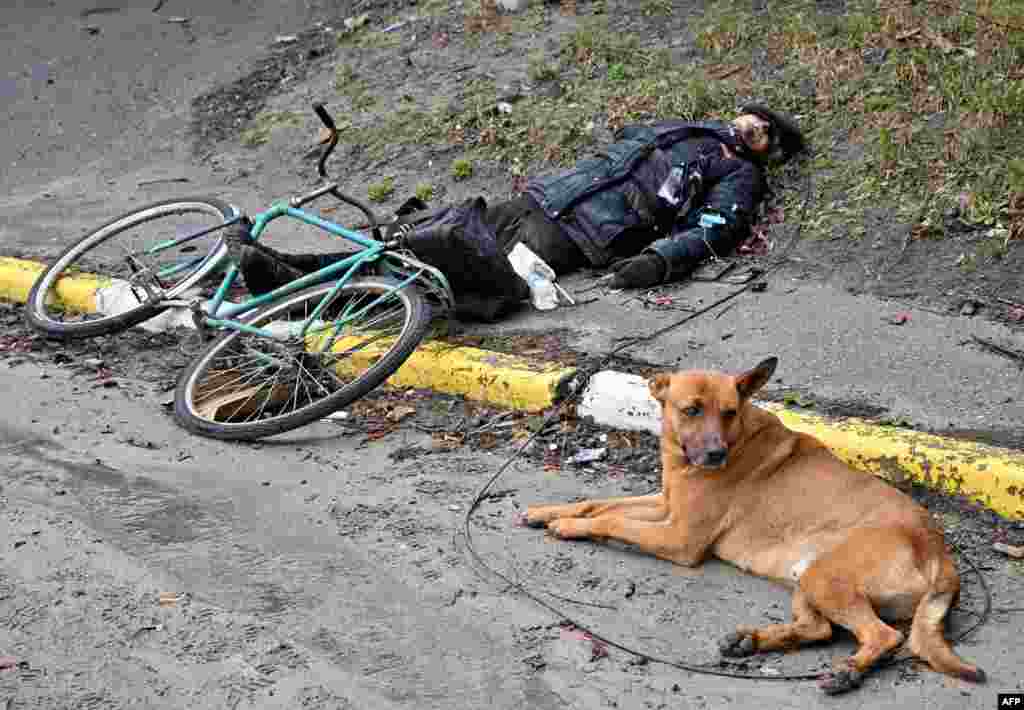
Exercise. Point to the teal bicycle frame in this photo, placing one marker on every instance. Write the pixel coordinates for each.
(221, 314)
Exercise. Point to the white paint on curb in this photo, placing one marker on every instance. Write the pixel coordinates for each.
(620, 401)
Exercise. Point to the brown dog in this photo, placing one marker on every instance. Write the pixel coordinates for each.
(737, 484)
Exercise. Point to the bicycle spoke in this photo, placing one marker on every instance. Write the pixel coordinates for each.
(253, 385)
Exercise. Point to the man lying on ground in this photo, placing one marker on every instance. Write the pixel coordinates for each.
(654, 204)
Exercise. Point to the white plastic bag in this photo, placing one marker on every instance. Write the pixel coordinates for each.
(536, 272)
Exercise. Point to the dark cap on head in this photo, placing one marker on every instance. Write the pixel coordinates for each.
(787, 139)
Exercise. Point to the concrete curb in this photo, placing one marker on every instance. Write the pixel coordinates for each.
(987, 474)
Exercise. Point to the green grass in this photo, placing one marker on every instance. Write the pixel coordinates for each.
(425, 191)
(928, 114)
(265, 123)
(381, 191)
(462, 169)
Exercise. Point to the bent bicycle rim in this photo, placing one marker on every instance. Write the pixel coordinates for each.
(120, 273)
(247, 386)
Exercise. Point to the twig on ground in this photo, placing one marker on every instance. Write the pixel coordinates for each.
(1000, 350)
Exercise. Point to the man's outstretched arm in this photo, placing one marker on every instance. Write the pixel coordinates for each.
(725, 216)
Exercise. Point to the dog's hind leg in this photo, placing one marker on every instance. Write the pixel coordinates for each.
(808, 626)
(926, 633)
(836, 591)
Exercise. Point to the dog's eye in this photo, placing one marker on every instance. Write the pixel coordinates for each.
(692, 411)
(729, 413)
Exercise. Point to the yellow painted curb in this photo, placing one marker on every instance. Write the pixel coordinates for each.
(989, 475)
(76, 293)
(496, 378)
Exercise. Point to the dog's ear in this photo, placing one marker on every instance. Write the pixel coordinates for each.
(659, 385)
(750, 382)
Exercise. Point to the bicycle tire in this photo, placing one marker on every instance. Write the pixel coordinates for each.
(189, 394)
(36, 313)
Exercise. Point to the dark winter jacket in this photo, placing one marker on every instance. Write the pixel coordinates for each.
(608, 204)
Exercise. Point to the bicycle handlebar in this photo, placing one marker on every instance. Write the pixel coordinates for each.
(325, 118)
(321, 111)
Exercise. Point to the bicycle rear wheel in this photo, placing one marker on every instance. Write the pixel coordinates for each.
(114, 264)
(247, 386)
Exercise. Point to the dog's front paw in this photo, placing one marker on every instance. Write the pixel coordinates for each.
(569, 528)
(537, 516)
(738, 645)
(841, 680)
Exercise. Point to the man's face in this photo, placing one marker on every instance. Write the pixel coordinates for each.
(755, 132)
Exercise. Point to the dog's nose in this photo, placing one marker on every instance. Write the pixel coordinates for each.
(715, 457)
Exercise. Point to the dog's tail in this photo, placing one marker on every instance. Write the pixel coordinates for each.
(926, 632)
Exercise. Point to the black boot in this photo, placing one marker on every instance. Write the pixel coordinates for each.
(262, 268)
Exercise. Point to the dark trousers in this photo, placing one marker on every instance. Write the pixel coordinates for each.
(522, 220)
(517, 220)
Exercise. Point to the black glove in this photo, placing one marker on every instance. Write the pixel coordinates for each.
(639, 271)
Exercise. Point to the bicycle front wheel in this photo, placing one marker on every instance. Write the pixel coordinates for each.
(123, 270)
(246, 385)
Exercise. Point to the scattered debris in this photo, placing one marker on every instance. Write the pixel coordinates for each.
(900, 318)
(585, 456)
(142, 629)
(598, 648)
(1016, 551)
(535, 662)
(999, 349)
(285, 39)
(158, 181)
(8, 662)
(400, 412)
(168, 599)
(99, 11)
(178, 20)
(354, 23)
(407, 452)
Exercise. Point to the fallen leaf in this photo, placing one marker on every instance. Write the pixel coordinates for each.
(1011, 550)
(168, 599)
(622, 440)
(375, 434)
(1015, 314)
(900, 318)
(941, 42)
(400, 412)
